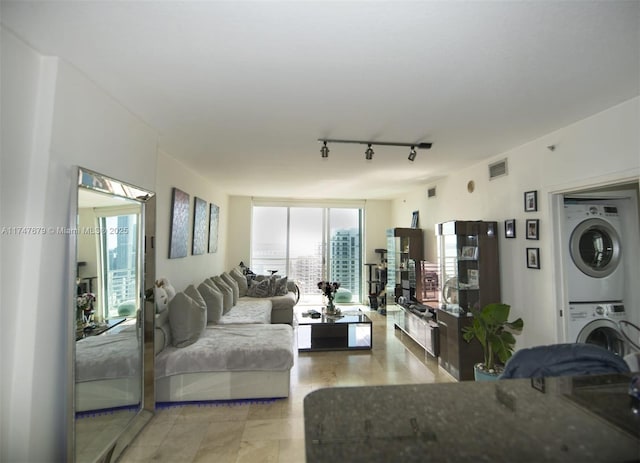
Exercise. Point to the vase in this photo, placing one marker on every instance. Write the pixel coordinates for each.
(480, 375)
(331, 308)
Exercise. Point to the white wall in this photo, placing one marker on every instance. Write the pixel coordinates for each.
(191, 269)
(59, 119)
(603, 148)
(239, 231)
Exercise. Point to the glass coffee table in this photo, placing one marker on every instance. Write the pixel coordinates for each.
(351, 330)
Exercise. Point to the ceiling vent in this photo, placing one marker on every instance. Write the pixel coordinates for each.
(498, 169)
(431, 192)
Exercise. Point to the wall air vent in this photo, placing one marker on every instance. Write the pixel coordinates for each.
(498, 169)
(431, 192)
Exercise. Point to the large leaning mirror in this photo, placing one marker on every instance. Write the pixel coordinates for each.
(115, 262)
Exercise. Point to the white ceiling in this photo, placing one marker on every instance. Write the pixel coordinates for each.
(242, 90)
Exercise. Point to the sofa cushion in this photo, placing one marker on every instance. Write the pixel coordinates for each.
(214, 300)
(162, 336)
(281, 286)
(233, 284)
(227, 293)
(259, 288)
(241, 279)
(187, 317)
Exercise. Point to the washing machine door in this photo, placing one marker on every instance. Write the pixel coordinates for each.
(595, 248)
(603, 333)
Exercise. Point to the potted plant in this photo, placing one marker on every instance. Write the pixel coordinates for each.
(491, 327)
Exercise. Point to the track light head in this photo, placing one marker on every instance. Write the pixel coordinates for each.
(412, 154)
(369, 153)
(324, 151)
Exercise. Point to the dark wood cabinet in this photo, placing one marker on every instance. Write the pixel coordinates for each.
(469, 272)
(405, 250)
(456, 355)
(468, 264)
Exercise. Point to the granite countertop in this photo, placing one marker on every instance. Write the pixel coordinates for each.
(555, 420)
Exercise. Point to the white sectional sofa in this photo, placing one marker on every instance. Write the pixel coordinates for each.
(217, 342)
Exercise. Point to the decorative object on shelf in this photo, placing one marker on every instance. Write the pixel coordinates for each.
(84, 304)
(491, 327)
(450, 291)
(469, 253)
(179, 234)
(414, 219)
(533, 258)
(199, 226)
(531, 201)
(329, 289)
(532, 229)
(324, 151)
(510, 228)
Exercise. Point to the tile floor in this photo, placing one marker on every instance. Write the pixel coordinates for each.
(274, 432)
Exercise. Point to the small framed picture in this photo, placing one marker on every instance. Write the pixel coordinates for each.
(533, 258)
(531, 201)
(532, 229)
(510, 228)
(469, 253)
(414, 219)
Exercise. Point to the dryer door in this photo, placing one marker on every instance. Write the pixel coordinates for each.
(595, 248)
(603, 333)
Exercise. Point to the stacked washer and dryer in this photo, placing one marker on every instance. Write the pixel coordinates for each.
(595, 275)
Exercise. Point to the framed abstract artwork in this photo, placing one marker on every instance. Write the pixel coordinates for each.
(199, 226)
(179, 234)
(214, 213)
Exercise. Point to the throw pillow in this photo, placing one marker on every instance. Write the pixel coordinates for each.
(187, 317)
(281, 286)
(241, 279)
(259, 288)
(231, 282)
(162, 337)
(227, 293)
(273, 279)
(214, 300)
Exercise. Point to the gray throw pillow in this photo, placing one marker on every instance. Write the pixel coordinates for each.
(273, 279)
(187, 317)
(214, 300)
(259, 288)
(281, 286)
(162, 337)
(227, 293)
(241, 279)
(233, 284)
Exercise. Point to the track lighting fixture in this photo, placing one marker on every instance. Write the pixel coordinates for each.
(369, 153)
(324, 151)
(412, 154)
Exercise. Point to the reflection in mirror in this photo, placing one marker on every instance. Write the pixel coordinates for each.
(109, 312)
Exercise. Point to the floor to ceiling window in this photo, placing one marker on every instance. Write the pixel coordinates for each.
(309, 244)
(118, 258)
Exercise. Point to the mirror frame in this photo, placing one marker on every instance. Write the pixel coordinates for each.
(94, 181)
